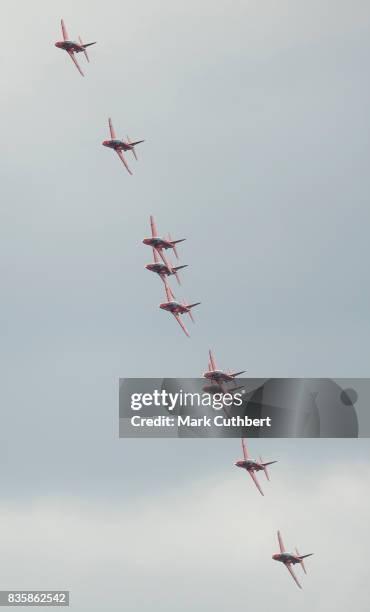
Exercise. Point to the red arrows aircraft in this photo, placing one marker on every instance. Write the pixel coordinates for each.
(177, 308)
(73, 47)
(219, 376)
(162, 270)
(161, 244)
(253, 466)
(120, 145)
(290, 559)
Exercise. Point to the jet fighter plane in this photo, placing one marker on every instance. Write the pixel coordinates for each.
(177, 308)
(218, 378)
(161, 244)
(120, 145)
(73, 47)
(162, 270)
(253, 466)
(290, 559)
(216, 375)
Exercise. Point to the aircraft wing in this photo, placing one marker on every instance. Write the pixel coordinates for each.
(178, 319)
(72, 56)
(177, 277)
(155, 255)
(254, 478)
(245, 450)
(111, 129)
(169, 293)
(281, 543)
(212, 361)
(290, 570)
(64, 30)
(164, 258)
(120, 155)
(154, 227)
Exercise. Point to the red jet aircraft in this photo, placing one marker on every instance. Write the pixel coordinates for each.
(177, 308)
(253, 466)
(161, 244)
(216, 375)
(73, 47)
(162, 270)
(290, 559)
(120, 145)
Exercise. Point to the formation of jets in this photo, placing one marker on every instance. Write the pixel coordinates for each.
(117, 144)
(162, 266)
(288, 559)
(165, 269)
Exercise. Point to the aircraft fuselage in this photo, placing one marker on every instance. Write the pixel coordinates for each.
(159, 268)
(218, 375)
(174, 307)
(70, 45)
(158, 243)
(286, 558)
(117, 145)
(249, 464)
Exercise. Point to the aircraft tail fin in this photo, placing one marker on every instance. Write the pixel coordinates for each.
(264, 465)
(133, 144)
(132, 150)
(84, 45)
(186, 305)
(180, 267)
(238, 373)
(174, 242)
(301, 557)
(189, 311)
(174, 271)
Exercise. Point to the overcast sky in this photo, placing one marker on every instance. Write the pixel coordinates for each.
(255, 116)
